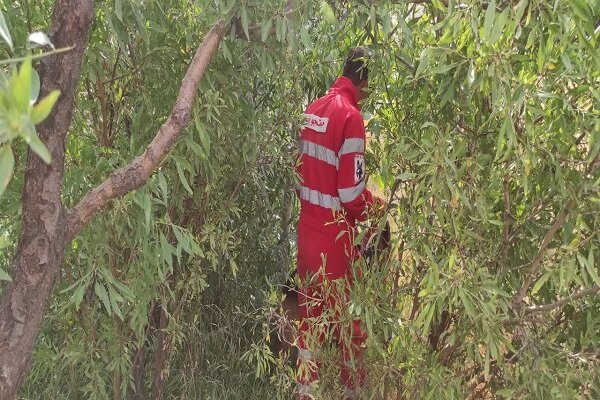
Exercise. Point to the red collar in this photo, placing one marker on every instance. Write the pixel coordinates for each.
(344, 86)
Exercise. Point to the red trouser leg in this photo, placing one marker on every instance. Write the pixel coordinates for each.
(352, 371)
(321, 260)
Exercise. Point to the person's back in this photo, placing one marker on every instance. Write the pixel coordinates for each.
(332, 162)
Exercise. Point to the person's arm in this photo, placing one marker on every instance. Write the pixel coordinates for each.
(354, 195)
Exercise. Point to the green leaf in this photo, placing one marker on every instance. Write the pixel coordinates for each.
(488, 21)
(100, 291)
(35, 87)
(405, 176)
(423, 61)
(7, 163)
(467, 303)
(373, 18)
(244, 19)
(265, 29)
(119, 10)
(4, 33)
(21, 88)
(498, 26)
(39, 147)
(589, 266)
(581, 9)
(114, 302)
(183, 179)
(147, 206)
(40, 111)
(538, 285)
(4, 276)
(77, 296)
(328, 13)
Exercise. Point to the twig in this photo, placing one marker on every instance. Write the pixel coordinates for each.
(37, 56)
(560, 220)
(559, 303)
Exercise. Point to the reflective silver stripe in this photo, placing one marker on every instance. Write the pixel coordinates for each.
(304, 354)
(349, 194)
(319, 152)
(305, 390)
(320, 199)
(351, 394)
(352, 145)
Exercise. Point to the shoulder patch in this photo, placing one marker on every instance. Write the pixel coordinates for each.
(359, 168)
(316, 123)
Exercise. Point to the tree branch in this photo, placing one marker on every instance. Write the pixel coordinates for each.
(559, 303)
(137, 173)
(560, 220)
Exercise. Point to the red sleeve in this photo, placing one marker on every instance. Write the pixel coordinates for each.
(354, 195)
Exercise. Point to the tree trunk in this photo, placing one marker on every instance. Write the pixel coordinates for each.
(40, 250)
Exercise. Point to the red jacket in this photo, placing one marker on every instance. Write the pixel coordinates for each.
(332, 166)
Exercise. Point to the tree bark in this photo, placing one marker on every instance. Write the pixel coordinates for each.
(40, 251)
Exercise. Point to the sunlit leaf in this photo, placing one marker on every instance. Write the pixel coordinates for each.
(4, 33)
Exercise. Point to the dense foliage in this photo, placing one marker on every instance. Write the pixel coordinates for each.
(485, 139)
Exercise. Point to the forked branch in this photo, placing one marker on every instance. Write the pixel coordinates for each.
(137, 173)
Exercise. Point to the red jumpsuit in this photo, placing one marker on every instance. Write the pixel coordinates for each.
(333, 197)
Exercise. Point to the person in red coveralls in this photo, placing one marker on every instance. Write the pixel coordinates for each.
(333, 197)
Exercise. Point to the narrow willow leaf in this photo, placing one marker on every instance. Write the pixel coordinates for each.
(39, 147)
(7, 163)
(538, 285)
(488, 22)
(183, 179)
(467, 303)
(328, 13)
(498, 26)
(373, 18)
(265, 29)
(4, 276)
(244, 19)
(100, 291)
(21, 88)
(114, 302)
(591, 268)
(40, 111)
(305, 38)
(4, 33)
(35, 87)
(77, 296)
(581, 9)
(147, 206)
(423, 61)
(119, 10)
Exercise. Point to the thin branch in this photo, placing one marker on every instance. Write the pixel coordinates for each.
(137, 173)
(559, 303)
(410, 66)
(37, 56)
(560, 220)
(507, 216)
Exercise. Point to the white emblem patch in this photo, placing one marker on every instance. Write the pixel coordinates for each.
(316, 123)
(359, 167)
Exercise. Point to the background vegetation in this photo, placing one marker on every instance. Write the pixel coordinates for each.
(485, 130)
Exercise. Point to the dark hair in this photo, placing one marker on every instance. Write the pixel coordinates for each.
(356, 67)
